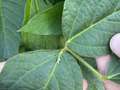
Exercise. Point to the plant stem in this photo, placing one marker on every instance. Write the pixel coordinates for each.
(27, 11)
(37, 6)
(100, 76)
(112, 76)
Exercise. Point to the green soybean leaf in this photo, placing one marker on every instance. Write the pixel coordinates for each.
(88, 25)
(32, 7)
(114, 70)
(44, 29)
(11, 15)
(94, 83)
(27, 11)
(47, 18)
(41, 70)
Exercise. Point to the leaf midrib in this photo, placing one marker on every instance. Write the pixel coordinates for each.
(54, 68)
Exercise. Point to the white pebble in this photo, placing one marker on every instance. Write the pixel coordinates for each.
(2, 65)
(115, 44)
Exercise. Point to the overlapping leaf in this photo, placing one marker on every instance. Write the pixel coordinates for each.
(43, 31)
(32, 7)
(114, 69)
(11, 15)
(89, 25)
(41, 70)
(94, 82)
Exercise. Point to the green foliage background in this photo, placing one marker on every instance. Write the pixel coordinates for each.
(53, 44)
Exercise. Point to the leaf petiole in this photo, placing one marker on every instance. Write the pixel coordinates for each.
(100, 76)
(37, 6)
(112, 76)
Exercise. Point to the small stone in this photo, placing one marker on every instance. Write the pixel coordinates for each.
(115, 44)
(1, 66)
